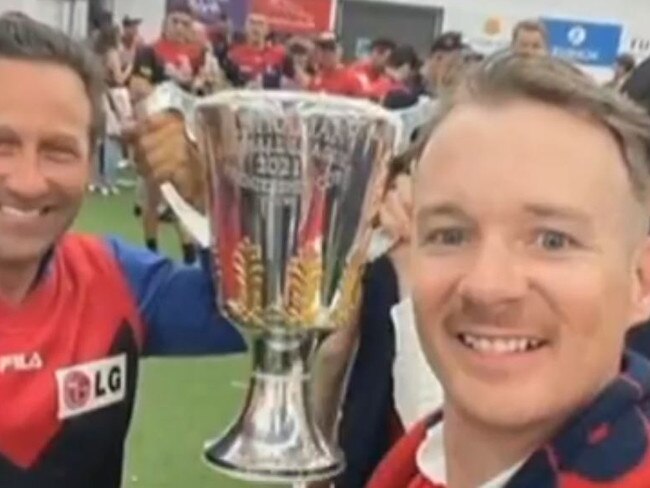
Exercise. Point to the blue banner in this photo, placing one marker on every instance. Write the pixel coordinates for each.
(207, 10)
(588, 43)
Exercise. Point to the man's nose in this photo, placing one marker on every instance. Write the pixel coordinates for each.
(24, 177)
(495, 275)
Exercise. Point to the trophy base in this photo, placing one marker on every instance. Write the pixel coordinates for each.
(276, 438)
(269, 475)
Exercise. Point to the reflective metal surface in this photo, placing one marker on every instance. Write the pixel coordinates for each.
(276, 437)
(294, 182)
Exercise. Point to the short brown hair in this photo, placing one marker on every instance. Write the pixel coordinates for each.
(506, 76)
(530, 25)
(25, 39)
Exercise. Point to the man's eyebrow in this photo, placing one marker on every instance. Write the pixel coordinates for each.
(443, 209)
(60, 138)
(557, 211)
(8, 134)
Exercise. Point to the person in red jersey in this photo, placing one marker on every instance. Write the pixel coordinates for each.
(373, 68)
(395, 90)
(256, 55)
(332, 76)
(177, 49)
(77, 312)
(530, 262)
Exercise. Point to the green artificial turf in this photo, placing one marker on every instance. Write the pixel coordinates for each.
(181, 402)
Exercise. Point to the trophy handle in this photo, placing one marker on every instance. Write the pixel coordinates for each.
(169, 96)
(192, 220)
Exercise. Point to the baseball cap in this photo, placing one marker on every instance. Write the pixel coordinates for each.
(447, 42)
(326, 40)
(130, 21)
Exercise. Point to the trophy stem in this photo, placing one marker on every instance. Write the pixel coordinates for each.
(276, 439)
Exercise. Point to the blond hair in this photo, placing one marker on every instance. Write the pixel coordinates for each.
(507, 76)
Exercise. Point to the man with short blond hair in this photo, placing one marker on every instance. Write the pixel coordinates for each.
(530, 263)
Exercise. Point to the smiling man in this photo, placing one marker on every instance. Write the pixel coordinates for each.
(76, 312)
(530, 263)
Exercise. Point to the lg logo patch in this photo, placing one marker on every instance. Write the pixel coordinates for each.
(90, 386)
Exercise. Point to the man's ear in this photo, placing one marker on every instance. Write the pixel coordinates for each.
(641, 287)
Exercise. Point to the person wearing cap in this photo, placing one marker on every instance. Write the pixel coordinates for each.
(444, 62)
(130, 40)
(637, 84)
(530, 38)
(623, 68)
(332, 76)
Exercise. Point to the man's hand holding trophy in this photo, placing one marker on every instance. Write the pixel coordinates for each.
(290, 184)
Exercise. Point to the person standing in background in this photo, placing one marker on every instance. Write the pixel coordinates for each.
(116, 75)
(295, 72)
(130, 41)
(332, 76)
(256, 55)
(445, 60)
(178, 50)
(623, 68)
(372, 70)
(178, 57)
(530, 38)
(220, 34)
(398, 91)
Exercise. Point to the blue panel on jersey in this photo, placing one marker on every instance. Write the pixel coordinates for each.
(177, 305)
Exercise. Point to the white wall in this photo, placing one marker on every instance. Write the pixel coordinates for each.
(63, 14)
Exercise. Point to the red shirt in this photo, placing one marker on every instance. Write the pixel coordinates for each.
(383, 86)
(176, 53)
(253, 61)
(338, 81)
(367, 71)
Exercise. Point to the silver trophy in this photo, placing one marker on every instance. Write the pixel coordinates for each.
(294, 183)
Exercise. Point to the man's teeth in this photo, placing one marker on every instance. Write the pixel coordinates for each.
(500, 345)
(17, 212)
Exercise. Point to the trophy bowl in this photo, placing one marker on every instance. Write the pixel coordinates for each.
(294, 180)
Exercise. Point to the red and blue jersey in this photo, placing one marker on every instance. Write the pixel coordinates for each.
(605, 446)
(69, 356)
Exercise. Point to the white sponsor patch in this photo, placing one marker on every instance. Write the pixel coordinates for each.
(83, 388)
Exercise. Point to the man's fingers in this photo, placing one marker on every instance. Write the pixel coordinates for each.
(395, 217)
(168, 133)
(163, 119)
(404, 187)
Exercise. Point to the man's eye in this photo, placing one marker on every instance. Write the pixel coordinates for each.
(7, 147)
(552, 240)
(60, 154)
(446, 237)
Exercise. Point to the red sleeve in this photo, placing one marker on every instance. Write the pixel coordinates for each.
(379, 89)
